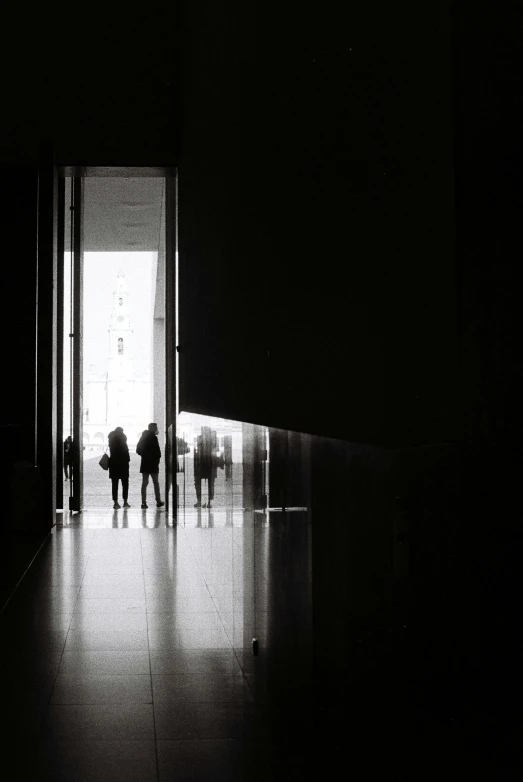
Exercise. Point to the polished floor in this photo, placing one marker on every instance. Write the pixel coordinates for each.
(127, 650)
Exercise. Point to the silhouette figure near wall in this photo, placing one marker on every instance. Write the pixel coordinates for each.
(68, 457)
(149, 449)
(73, 457)
(119, 459)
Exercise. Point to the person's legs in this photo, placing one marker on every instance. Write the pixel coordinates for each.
(210, 493)
(114, 481)
(156, 484)
(197, 484)
(125, 488)
(145, 483)
(66, 471)
(198, 487)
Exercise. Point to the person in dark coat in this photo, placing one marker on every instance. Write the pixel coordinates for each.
(68, 457)
(119, 459)
(149, 449)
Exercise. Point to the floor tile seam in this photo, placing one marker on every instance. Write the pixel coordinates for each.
(150, 676)
(146, 601)
(12, 593)
(67, 635)
(203, 576)
(81, 584)
(83, 676)
(231, 641)
(58, 740)
(58, 667)
(90, 556)
(195, 559)
(98, 704)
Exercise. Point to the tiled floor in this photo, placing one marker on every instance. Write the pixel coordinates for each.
(127, 653)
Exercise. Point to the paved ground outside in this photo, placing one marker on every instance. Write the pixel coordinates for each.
(97, 486)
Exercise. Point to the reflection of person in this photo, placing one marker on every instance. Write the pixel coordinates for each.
(68, 457)
(168, 457)
(206, 462)
(119, 465)
(182, 448)
(227, 457)
(149, 449)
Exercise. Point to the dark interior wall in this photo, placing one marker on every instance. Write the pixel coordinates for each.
(398, 549)
(316, 220)
(489, 188)
(489, 177)
(19, 487)
(108, 98)
(316, 200)
(352, 487)
(18, 198)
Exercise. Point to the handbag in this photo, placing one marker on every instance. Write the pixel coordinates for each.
(104, 462)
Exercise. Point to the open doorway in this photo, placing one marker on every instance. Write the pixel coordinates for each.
(118, 332)
(119, 373)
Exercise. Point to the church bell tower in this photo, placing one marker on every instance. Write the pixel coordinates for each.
(120, 375)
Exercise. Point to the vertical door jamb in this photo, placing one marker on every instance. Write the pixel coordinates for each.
(76, 501)
(46, 353)
(60, 346)
(171, 315)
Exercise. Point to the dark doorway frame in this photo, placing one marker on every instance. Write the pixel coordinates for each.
(77, 175)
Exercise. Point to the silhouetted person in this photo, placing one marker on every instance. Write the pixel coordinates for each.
(149, 449)
(68, 457)
(119, 459)
(74, 457)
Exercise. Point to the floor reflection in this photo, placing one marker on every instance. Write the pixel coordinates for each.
(137, 627)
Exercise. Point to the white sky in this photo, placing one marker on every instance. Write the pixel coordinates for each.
(100, 270)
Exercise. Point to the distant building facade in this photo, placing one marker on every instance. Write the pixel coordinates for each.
(117, 397)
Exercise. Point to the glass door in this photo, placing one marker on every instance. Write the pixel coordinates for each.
(71, 413)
